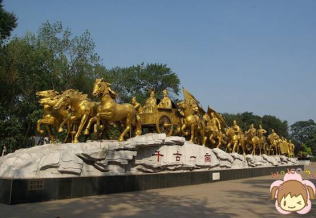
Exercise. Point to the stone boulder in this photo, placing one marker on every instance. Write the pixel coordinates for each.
(149, 153)
(270, 159)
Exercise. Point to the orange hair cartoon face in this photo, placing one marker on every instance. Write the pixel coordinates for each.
(293, 194)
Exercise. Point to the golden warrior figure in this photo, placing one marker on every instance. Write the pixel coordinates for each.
(75, 111)
(236, 128)
(213, 129)
(165, 102)
(151, 103)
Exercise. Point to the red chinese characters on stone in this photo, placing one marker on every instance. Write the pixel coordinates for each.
(207, 158)
(157, 153)
(178, 156)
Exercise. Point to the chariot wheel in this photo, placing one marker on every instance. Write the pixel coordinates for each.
(164, 125)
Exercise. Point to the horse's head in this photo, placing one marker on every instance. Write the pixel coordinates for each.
(230, 131)
(63, 101)
(180, 104)
(102, 88)
(48, 101)
(47, 93)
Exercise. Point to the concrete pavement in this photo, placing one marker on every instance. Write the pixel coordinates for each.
(235, 198)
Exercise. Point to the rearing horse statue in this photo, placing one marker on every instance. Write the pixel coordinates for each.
(52, 119)
(192, 125)
(81, 106)
(111, 111)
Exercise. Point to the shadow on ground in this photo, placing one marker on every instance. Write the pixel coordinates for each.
(257, 200)
(134, 204)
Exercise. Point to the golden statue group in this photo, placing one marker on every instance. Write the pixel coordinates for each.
(74, 113)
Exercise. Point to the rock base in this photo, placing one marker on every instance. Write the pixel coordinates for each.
(150, 153)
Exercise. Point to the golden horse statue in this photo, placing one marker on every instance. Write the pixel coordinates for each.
(111, 111)
(82, 109)
(232, 138)
(213, 131)
(237, 140)
(253, 142)
(273, 139)
(263, 146)
(52, 119)
(192, 125)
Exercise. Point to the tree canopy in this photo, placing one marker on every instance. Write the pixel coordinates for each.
(8, 22)
(304, 132)
(268, 122)
(50, 59)
(139, 79)
(53, 58)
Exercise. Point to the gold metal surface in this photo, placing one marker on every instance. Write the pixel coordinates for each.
(75, 112)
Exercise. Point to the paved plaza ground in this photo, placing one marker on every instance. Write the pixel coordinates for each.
(234, 198)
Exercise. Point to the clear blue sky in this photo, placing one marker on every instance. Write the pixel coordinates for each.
(236, 56)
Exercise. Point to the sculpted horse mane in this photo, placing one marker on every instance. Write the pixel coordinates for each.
(75, 93)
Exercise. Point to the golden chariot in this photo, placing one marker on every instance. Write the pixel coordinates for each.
(162, 120)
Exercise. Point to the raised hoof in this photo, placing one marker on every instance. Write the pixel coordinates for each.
(86, 132)
(60, 130)
(41, 131)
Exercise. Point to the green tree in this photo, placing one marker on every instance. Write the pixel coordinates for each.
(272, 122)
(304, 132)
(268, 122)
(51, 59)
(243, 119)
(139, 79)
(8, 22)
(54, 59)
(229, 118)
(304, 151)
(76, 61)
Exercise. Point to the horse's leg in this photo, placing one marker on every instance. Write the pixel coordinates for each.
(38, 126)
(128, 124)
(192, 133)
(60, 129)
(244, 149)
(201, 135)
(82, 123)
(50, 135)
(211, 138)
(234, 146)
(219, 142)
(228, 146)
(254, 148)
(91, 120)
(68, 131)
(183, 127)
(138, 126)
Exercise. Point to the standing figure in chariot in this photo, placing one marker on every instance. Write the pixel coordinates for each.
(165, 102)
(151, 103)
